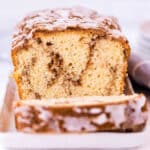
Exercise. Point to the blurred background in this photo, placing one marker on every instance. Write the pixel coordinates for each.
(131, 14)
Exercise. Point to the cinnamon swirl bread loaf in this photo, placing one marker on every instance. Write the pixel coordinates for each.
(69, 52)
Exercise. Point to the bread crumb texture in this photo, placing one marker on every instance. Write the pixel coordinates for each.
(70, 63)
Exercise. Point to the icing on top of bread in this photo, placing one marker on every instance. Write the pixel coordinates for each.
(60, 19)
(35, 116)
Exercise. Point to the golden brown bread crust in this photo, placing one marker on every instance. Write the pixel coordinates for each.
(128, 115)
(76, 18)
(65, 18)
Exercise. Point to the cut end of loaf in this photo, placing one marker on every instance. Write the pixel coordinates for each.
(70, 63)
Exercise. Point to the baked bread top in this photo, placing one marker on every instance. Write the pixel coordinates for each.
(84, 114)
(65, 18)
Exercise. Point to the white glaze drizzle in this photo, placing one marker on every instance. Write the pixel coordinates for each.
(117, 114)
(100, 119)
(77, 124)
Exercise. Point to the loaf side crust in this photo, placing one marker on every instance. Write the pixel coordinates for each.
(128, 115)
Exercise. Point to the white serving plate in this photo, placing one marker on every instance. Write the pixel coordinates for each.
(102, 140)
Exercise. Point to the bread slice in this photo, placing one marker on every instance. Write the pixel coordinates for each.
(67, 53)
(82, 114)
